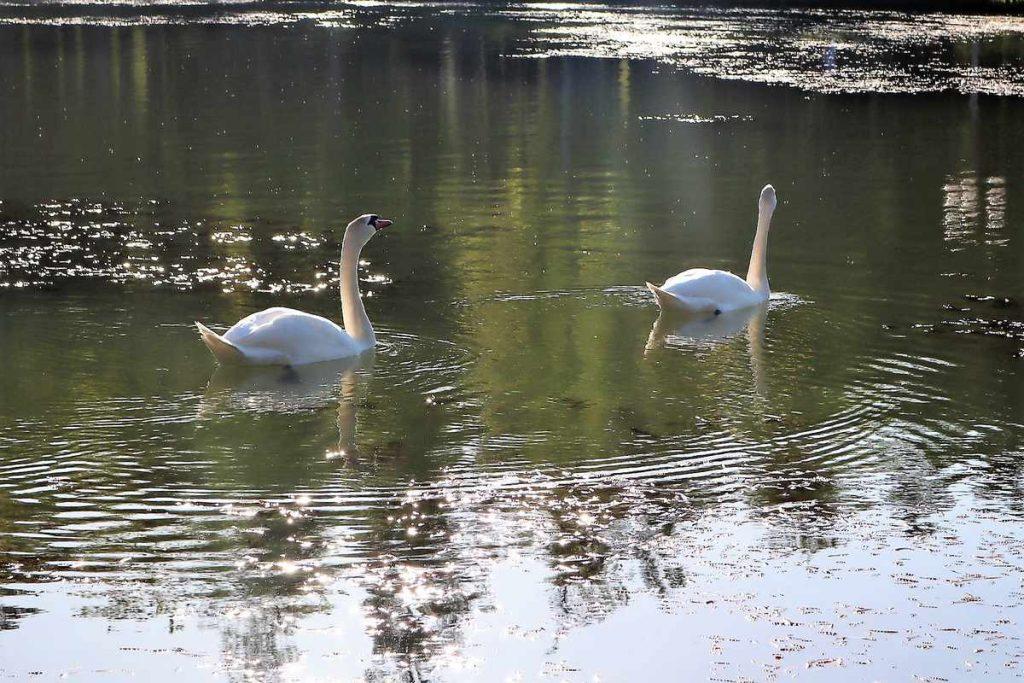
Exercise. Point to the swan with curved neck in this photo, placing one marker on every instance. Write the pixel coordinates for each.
(700, 291)
(284, 336)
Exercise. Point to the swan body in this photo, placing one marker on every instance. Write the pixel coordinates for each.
(285, 336)
(281, 336)
(700, 291)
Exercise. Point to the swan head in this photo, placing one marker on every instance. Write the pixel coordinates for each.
(365, 227)
(767, 202)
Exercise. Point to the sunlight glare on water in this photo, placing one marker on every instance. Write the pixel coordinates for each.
(535, 475)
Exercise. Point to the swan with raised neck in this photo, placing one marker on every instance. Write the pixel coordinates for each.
(285, 336)
(700, 291)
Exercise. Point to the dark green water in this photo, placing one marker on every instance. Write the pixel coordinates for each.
(532, 476)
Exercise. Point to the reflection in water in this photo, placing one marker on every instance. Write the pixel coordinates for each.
(671, 329)
(879, 51)
(974, 211)
(293, 389)
(499, 510)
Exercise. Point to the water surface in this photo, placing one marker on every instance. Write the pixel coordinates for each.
(534, 475)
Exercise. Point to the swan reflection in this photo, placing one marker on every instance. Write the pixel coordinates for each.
(290, 389)
(674, 329)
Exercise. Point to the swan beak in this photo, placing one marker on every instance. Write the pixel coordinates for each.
(382, 223)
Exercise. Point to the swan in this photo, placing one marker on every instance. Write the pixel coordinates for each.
(284, 336)
(701, 291)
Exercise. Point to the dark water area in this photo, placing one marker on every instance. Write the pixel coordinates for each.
(534, 476)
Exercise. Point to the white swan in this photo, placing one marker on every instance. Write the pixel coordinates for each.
(703, 291)
(284, 336)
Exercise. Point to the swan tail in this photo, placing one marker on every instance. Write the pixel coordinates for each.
(224, 351)
(689, 305)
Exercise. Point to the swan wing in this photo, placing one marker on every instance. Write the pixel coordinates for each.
(287, 336)
(726, 290)
(681, 304)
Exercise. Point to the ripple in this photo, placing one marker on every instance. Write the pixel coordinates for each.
(86, 479)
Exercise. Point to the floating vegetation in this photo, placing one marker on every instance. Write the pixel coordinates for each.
(1011, 329)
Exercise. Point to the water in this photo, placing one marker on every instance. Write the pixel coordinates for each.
(533, 476)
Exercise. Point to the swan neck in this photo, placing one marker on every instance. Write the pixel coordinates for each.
(757, 271)
(353, 313)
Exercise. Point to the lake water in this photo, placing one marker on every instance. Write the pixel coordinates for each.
(534, 478)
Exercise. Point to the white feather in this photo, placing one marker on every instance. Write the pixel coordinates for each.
(285, 336)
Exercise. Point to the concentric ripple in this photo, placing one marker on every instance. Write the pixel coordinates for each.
(535, 474)
(169, 477)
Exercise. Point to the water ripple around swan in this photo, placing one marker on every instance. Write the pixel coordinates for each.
(128, 475)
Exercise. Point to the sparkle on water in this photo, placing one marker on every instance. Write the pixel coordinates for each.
(824, 50)
(536, 476)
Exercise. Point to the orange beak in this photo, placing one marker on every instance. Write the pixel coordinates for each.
(382, 223)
